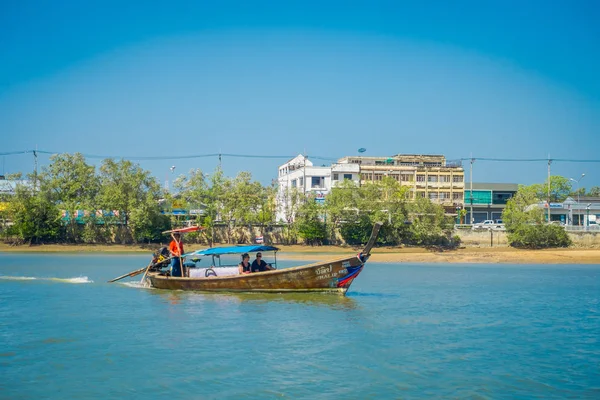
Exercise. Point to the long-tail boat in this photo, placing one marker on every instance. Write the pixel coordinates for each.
(332, 276)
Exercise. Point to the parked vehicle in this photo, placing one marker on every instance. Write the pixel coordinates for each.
(558, 223)
(489, 224)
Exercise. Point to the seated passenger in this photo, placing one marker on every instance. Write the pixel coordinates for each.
(259, 265)
(244, 266)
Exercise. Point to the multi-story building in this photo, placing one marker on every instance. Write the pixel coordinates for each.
(427, 176)
(300, 176)
(488, 200)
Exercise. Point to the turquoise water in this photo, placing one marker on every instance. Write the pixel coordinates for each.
(403, 331)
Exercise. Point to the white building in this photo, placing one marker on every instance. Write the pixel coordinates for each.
(300, 176)
(425, 176)
(9, 186)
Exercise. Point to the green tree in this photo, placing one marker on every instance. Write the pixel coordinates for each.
(523, 208)
(134, 194)
(193, 189)
(71, 184)
(594, 191)
(266, 202)
(539, 236)
(429, 224)
(560, 188)
(215, 199)
(391, 200)
(341, 206)
(35, 217)
(524, 221)
(309, 222)
(354, 209)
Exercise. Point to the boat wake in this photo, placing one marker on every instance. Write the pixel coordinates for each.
(136, 284)
(79, 279)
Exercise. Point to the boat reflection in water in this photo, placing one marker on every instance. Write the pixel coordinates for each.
(212, 300)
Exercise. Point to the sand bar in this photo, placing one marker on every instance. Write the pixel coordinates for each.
(497, 255)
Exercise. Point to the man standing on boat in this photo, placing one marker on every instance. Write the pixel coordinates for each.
(259, 265)
(176, 250)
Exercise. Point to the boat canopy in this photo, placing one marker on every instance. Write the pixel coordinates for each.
(186, 230)
(217, 251)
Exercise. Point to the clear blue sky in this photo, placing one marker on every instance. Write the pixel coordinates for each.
(505, 79)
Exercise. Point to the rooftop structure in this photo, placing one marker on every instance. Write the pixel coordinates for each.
(9, 186)
(429, 176)
(426, 175)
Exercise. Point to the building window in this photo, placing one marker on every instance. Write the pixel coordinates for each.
(432, 178)
(301, 180)
(444, 178)
(406, 178)
(420, 178)
(433, 196)
(501, 197)
(378, 177)
(293, 183)
(479, 197)
(421, 194)
(335, 177)
(457, 196)
(458, 178)
(316, 182)
(347, 176)
(444, 195)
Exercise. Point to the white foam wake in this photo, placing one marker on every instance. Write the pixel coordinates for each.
(79, 279)
(136, 284)
(17, 278)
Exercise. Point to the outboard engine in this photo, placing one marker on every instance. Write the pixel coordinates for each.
(160, 258)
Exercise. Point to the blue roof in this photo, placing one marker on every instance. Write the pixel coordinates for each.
(214, 251)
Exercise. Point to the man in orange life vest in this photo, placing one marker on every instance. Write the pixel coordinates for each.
(176, 250)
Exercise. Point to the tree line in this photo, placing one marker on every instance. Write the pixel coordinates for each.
(120, 202)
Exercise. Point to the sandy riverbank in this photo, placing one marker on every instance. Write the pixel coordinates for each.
(392, 255)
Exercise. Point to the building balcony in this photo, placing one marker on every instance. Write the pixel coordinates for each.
(440, 185)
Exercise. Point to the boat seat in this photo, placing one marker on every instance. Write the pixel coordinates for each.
(219, 271)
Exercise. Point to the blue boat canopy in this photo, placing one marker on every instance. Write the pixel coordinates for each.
(217, 251)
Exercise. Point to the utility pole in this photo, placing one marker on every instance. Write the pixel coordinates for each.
(304, 172)
(35, 167)
(471, 191)
(549, 162)
(578, 199)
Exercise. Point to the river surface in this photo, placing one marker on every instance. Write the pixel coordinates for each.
(403, 331)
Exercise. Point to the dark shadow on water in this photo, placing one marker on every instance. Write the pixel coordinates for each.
(333, 301)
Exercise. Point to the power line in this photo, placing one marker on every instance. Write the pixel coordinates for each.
(527, 159)
(175, 157)
(10, 153)
(324, 158)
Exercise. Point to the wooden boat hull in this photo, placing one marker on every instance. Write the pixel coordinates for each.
(334, 276)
